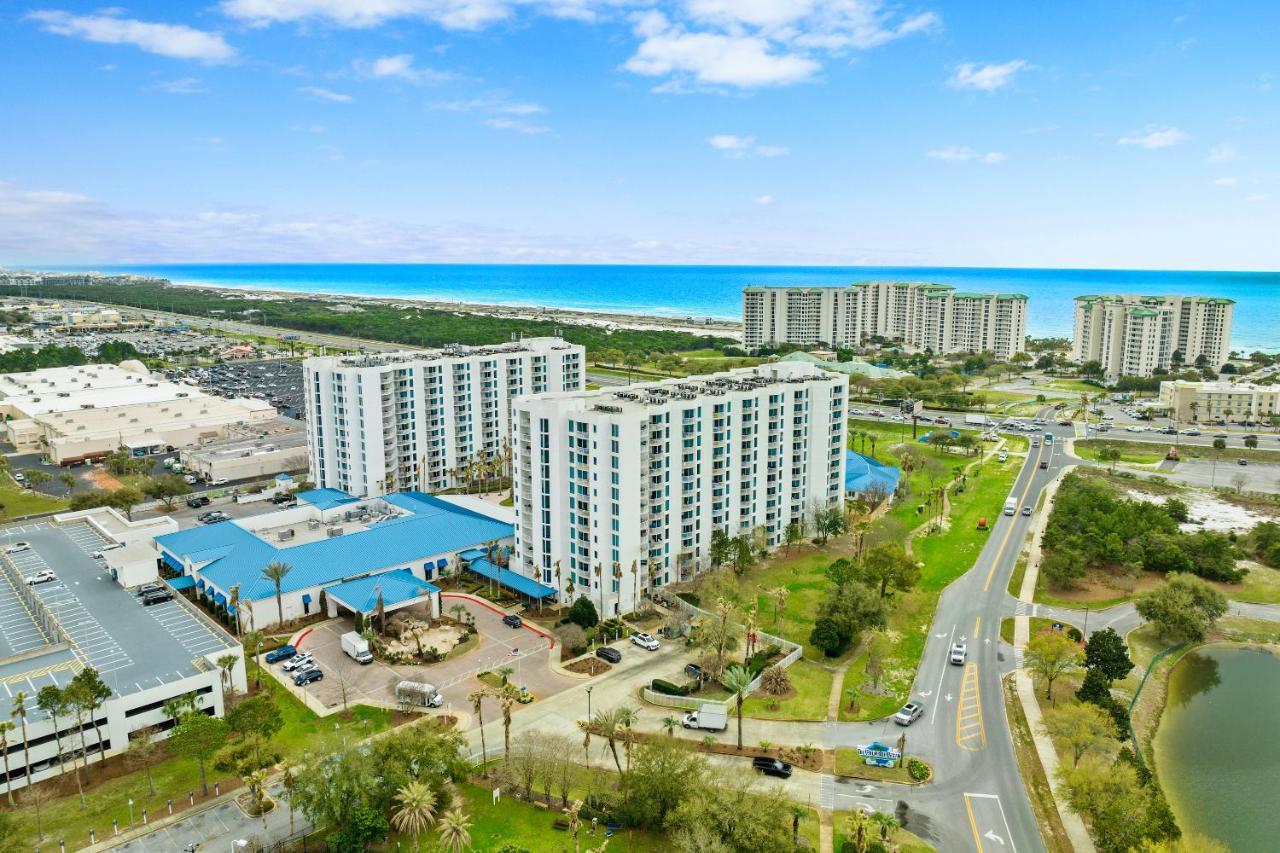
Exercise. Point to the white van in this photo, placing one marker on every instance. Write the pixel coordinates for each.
(1010, 506)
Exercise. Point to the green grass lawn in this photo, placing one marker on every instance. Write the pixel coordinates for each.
(1261, 586)
(1075, 385)
(849, 763)
(16, 502)
(514, 822)
(1019, 572)
(905, 841)
(1138, 453)
(812, 686)
(1038, 624)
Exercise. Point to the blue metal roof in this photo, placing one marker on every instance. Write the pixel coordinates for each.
(863, 473)
(326, 498)
(397, 587)
(510, 579)
(183, 582)
(226, 554)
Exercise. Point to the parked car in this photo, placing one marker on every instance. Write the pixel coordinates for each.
(1191, 431)
(511, 620)
(1003, 455)
(645, 641)
(213, 517)
(197, 501)
(148, 588)
(611, 655)
(42, 576)
(283, 498)
(296, 662)
(190, 479)
(157, 597)
(959, 651)
(18, 548)
(772, 767)
(909, 713)
(1242, 461)
(693, 671)
(281, 653)
(101, 552)
(20, 477)
(305, 677)
(221, 481)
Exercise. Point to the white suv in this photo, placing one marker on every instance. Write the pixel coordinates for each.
(645, 641)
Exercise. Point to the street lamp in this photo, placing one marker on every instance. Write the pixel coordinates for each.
(131, 811)
(589, 701)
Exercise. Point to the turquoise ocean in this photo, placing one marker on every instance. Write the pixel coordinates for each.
(716, 291)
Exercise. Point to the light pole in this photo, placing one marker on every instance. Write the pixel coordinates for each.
(131, 811)
(589, 702)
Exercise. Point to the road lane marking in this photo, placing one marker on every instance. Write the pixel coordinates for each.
(976, 626)
(973, 824)
(995, 560)
(942, 675)
(990, 834)
(971, 733)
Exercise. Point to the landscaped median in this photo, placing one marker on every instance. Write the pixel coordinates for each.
(909, 770)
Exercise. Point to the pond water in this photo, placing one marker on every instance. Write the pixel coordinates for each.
(1217, 747)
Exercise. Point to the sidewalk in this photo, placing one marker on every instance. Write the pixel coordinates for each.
(215, 827)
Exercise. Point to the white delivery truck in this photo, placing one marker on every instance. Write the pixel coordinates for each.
(418, 693)
(976, 420)
(1010, 506)
(356, 647)
(713, 718)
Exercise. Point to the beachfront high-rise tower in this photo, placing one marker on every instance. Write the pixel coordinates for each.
(387, 422)
(1134, 335)
(620, 491)
(921, 316)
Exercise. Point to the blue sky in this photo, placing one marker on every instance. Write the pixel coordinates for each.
(1085, 134)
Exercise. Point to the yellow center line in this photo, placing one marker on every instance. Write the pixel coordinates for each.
(973, 824)
(995, 561)
(976, 626)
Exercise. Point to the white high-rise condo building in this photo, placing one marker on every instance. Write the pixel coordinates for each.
(918, 315)
(390, 422)
(619, 491)
(1134, 335)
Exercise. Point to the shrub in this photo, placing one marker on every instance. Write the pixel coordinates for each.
(691, 598)
(917, 769)
(583, 613)
(775, 681)
(667, 688)
(571, 636)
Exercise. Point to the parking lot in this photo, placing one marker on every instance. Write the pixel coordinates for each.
(133, 647)
(279, 381)
(522, 649)
(19, 631)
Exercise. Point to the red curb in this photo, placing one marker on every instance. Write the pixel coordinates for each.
(297, 644)
(497, 610)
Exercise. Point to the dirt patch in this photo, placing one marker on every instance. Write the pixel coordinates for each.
(414, 636)
(101, 478)
(1210, 512)
(1099, 585)
(588, 666)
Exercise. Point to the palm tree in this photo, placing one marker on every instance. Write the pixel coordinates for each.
(575, 822)
(736, 680)
(628, 717)
(607, 725)
(506, 701)
(253, 640)
(489, 548)
(415, 810)
(635, 585)
(226, 663)
(670, 723)
(858, 831)
(51, 700)
(67, 479)
(233, 596)
(600, 583)
(477, 698)
(289, 777)
(276, 572)
(617, 593)
(454, 829)
(19, 713)
(799, 812)
(780, 594)
(6, 726)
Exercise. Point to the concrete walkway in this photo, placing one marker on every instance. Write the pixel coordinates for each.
(1071, 822)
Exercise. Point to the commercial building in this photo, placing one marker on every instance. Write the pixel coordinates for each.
(620, 491)
(51, 631)
(388, 422)
(75, 413)
(917, 315)
(1133, 335)
(1211, 401)
(257, 449)
(330, 538)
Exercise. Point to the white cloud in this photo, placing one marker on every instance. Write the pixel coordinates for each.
(1153, 136)
(986, 77)
(363, 14)
(323, 94)
(1224, 153)
(964, 154)
(493, 104)
(181, 86)
(398, 67)
(764, 200)
(1225, 182)
(715, 59)
(744, 146)
(177, 41)
(1256, 197)
(517, 124)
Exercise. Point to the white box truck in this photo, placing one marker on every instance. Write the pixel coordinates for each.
(1010, 505)
(419, 693)
(356, 647)
(713, 718)
(975, 420)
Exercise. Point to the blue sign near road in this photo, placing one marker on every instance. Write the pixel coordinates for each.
(879, 755)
